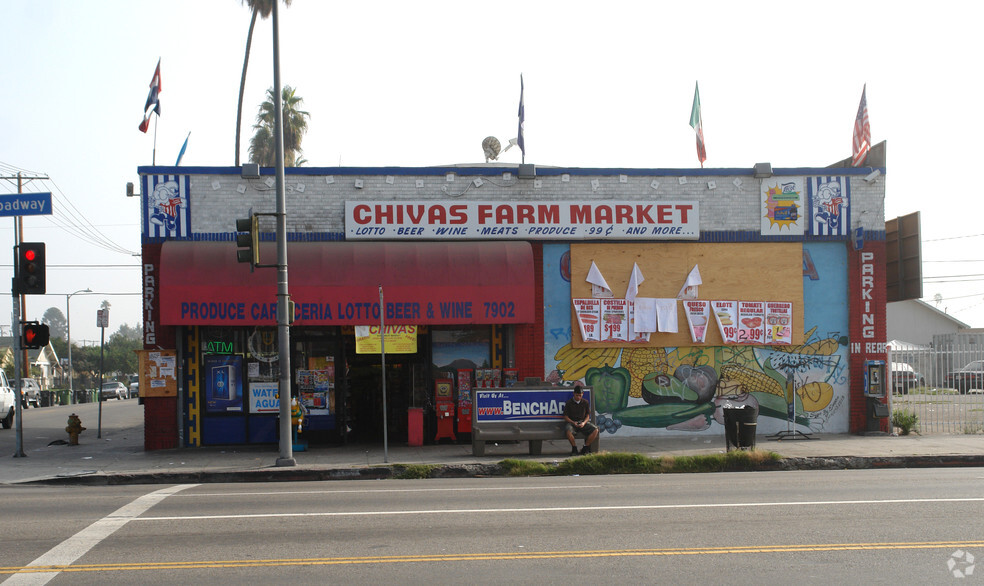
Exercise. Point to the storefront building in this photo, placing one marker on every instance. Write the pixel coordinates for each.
(761, 285)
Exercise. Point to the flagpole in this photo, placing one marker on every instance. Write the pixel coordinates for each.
(153, 157)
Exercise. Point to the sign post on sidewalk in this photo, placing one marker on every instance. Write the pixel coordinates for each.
(102, 322)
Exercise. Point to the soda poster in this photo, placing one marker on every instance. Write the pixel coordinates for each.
(751, 322)
(778, 322)
(614, 320)
(223, 383)
(726, 315)
(588, 312)
(698, 313)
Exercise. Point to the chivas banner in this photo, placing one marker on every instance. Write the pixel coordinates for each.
(515, 220)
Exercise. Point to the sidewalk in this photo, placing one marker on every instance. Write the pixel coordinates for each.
(118, 456)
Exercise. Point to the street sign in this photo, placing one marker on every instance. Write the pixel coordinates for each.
(26, 204)
(102, 318)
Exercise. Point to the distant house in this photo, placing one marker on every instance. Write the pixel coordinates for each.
(917, 322)
(45, 366)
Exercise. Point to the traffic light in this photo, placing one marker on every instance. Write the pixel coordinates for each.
(248, 240)
(35, 335)
(29, 278)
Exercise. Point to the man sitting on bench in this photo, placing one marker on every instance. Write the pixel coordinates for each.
(577, 413)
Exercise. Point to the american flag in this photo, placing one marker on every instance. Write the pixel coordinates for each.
(862, 132)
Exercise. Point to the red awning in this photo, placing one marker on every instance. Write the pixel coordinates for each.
(337, 283)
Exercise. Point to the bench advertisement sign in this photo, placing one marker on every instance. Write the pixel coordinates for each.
(523, 405)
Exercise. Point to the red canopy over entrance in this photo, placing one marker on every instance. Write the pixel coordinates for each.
(337, 283)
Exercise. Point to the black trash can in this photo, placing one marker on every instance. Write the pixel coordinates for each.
(45, 399)
(740, 426)
(81, 396)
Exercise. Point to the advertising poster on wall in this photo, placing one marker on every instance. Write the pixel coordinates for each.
(726, 316)
(778, 322)
(588, 312)
(783, 206)
(751, 322)
(264, 398)
(698, 312)
(635, 336)
(223, 383)
(614, 320)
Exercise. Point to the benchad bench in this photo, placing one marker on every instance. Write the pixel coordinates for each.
(522, 413)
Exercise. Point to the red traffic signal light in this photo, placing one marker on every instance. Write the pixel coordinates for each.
(30, 269)
(35, 335)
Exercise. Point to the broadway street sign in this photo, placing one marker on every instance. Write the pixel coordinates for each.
(26, 204)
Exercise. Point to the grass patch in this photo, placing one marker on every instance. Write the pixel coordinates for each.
(624, 463)
(610, 463)
(513, 467)
(414, 471)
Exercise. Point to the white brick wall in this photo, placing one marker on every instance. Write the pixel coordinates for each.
(316, 203)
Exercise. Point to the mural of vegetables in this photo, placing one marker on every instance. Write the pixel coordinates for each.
(573, 363)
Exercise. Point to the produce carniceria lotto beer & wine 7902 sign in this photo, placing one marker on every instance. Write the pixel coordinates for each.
(505, 220)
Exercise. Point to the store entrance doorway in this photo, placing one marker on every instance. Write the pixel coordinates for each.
(365, 396)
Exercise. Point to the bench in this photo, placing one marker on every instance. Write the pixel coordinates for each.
(549, 426)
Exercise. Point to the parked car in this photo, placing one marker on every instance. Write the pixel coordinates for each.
(904, 377)
(967, 378)
(7, 402)
(30, 393)
(134, 386)
(113, 390)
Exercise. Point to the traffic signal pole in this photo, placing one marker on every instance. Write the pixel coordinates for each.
(16, 323)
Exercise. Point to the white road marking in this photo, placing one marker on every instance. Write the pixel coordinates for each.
(66, 552)
(556, 509)
(363, 491)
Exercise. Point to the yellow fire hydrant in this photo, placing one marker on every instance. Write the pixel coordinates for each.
(74, 428)
(296, 422)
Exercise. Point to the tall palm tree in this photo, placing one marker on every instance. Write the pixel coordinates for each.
(263, 146)
(263, 8)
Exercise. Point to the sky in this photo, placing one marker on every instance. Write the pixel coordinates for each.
(422, 83)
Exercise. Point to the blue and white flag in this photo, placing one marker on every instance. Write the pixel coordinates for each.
(183, 148)
(830, 205)
(167, 208)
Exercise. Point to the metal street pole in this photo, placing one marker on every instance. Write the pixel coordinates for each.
(68, 327)
(283, 298)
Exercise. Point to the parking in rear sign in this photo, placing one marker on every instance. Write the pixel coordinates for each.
(26, 204)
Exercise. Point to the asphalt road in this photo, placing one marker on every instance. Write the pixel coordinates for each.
(865, 526)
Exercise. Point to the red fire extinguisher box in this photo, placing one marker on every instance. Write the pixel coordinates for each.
(444, 405)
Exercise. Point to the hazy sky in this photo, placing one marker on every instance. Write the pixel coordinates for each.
(422, 83)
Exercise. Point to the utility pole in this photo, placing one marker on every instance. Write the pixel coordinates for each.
(283, 298)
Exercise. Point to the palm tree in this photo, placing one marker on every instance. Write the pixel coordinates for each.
(263, 8)
(263, 146)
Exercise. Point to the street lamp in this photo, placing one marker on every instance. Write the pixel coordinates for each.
(68, 327)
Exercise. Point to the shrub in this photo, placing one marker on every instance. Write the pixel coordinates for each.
(906, 420)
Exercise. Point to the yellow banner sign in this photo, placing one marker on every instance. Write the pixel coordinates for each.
(399, 340)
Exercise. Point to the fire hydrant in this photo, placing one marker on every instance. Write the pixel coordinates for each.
(74, 428)
(296, 421)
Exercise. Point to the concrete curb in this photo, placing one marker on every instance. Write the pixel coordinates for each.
(394, 471)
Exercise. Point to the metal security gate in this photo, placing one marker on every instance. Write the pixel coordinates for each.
(942, 384)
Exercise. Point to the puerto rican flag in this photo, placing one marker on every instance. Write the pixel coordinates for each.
(153, 104)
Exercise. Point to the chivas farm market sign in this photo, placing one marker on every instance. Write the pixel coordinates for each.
(552, 220)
